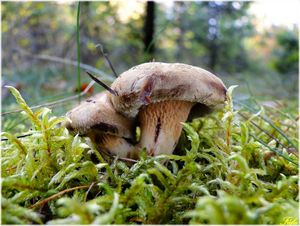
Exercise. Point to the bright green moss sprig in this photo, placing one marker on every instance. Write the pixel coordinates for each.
(223, 175)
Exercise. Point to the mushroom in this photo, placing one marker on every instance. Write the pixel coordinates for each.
(97, 119)
(162, 95)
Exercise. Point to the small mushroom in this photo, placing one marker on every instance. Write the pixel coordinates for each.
(97, 119)
(163, 95)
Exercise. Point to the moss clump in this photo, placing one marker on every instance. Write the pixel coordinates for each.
(229, 172)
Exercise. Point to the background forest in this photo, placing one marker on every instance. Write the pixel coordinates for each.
(223, 37)
(238, 165)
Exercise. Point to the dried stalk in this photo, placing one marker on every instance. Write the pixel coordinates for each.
(44, 201)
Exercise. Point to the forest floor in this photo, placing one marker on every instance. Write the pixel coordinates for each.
(236, 166)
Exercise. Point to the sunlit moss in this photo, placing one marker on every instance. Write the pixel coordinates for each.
(53, 177)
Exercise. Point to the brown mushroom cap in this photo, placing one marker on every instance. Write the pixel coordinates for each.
(155, 82)
(97, 115)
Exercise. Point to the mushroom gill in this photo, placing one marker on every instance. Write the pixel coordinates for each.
(161, 125)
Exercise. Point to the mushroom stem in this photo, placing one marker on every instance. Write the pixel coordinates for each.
(114, 145)
(161, 125)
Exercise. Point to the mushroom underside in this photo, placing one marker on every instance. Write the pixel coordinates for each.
(115, 145)
(161, 126)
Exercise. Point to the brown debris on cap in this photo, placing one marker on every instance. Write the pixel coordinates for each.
(155, 82)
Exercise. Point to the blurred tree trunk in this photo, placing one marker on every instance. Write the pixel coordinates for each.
(213, 55)
(214, 11)
(149, 47)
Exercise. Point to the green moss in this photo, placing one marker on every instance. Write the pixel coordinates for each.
(221, 175)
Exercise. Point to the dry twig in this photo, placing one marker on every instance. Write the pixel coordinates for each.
(44, 201)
